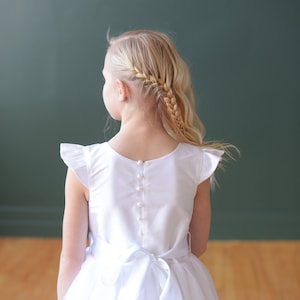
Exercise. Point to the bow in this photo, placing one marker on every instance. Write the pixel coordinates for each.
(138, 273)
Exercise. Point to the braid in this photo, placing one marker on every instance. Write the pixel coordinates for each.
(168, 97)
(173, 109)
(148, 80)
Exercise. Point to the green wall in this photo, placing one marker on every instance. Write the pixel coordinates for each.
(244, 57)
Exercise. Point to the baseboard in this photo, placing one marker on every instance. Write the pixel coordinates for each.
(253, 225)
(30, 221)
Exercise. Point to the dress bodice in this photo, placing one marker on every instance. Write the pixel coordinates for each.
(146, 203)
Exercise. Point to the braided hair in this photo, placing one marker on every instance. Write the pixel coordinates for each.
(151, 58)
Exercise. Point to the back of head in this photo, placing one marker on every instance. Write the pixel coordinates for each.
(151, 61)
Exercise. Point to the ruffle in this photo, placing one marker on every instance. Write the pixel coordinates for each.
(210, 160)
(74, 156)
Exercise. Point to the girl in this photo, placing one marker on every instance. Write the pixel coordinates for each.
(144, 196)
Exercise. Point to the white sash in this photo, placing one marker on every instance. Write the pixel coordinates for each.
(135, 270)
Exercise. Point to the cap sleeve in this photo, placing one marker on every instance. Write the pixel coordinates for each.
(210, 160)
(74, 156)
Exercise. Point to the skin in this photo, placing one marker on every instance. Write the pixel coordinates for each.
(139, 124)
(75, 227)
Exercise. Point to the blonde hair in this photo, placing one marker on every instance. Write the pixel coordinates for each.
(151, 59)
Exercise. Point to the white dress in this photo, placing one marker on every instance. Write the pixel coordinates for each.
(139, 215)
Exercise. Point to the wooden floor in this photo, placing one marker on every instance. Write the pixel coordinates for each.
(241, 270)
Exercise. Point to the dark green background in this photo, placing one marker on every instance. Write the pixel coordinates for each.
(244, 58)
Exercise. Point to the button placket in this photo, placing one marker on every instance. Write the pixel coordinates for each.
(140, 188)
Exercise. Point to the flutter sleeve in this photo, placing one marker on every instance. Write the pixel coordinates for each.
(75, 157)
(210, 160)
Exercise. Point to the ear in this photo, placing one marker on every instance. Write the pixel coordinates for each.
(123, 90)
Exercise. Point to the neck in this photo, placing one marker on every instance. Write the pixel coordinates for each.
(139, 119)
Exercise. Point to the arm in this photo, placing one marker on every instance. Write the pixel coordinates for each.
(75, 227)
(200, 222)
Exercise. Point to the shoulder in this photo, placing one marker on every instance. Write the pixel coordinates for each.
(73, 146)
(205, 153)
(82, 159)
(204, 160)
(80, 154)
(200, 151)
(69, 148)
